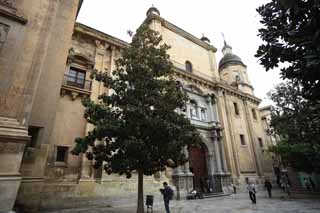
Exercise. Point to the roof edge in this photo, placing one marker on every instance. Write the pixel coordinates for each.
(79, 7)
(100, 35)
(180, 31)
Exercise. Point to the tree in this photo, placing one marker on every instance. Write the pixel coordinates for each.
(291, 32)
(296, 121)
(136, 126)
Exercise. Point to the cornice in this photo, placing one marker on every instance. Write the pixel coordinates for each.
(13, 16)
(179, 31)
(98, 35)
(215, 84)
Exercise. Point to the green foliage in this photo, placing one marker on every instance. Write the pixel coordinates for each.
(291, 32)
(296, 121)
(302, 157)
(136, 127)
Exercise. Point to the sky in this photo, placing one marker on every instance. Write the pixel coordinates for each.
(237, 20)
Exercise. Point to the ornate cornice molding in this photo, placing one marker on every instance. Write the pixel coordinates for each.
(10, 13)
(98, 35)
(215, 85)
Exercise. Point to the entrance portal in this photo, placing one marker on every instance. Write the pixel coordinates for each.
(198, 166)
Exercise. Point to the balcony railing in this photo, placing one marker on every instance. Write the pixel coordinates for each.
(77, 82)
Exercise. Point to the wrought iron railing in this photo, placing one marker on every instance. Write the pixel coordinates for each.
(208, 184)
(77, 82)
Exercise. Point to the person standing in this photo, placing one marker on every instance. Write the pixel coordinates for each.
(313, 185)
(234, 188)
(252, 192)
(307, 184)
(268, 186)
(167, 193)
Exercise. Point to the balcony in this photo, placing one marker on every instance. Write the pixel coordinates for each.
(75, 86)
(72, 81)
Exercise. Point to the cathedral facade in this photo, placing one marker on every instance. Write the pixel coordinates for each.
(222, 106)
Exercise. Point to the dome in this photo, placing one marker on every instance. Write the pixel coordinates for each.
(153, 10)
(205, 39)
(230, 59)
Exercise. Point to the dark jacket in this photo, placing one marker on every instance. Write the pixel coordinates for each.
(167, 193)
(268, 185)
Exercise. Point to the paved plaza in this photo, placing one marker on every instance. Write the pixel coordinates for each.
(239, 203)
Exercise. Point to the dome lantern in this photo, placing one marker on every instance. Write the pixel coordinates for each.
(153, 11)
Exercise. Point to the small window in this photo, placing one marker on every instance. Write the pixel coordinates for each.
(203, 114)
(188, 66)
(236, 110)
(260, 142)
(62, 152)
(254, 114)
(193, 109)
(34, 133)
(76, 78)
(242, 140)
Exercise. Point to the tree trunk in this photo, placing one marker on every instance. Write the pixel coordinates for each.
(140, 207)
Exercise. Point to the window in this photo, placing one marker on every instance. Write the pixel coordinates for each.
(203, 114)
(254, 114)
(260, 142)
(237, 78)
(236, 110)
(193, 109)
(34, 133)
(76, 77)
(62, 152)
(188, 66)
(242, 140)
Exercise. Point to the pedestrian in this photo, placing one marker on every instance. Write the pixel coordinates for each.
(313, 185)
(167, 193)
(288, 189)
(283, 182)
(234, 188)
(268, 186)
(307, 184)
(252, 192)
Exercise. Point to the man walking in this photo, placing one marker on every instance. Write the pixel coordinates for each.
(252, 192)
(167, 193)
(268, 186)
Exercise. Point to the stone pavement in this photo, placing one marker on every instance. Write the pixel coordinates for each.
(239, 203)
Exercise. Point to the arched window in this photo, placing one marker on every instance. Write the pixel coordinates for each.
(188, 66)
(193, 109)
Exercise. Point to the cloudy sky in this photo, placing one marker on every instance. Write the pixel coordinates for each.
(238, 20)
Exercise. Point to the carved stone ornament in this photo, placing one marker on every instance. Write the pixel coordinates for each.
(7, 2)
(4, 29)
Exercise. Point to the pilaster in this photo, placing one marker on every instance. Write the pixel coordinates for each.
(13, 139)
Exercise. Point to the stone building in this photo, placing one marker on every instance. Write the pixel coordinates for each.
(48, 116)
(32, 59)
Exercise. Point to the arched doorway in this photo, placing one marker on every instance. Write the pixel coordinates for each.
(199, 168)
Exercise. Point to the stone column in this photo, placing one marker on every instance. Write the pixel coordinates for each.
(13, 139)
(223, 155)
(217, 155)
